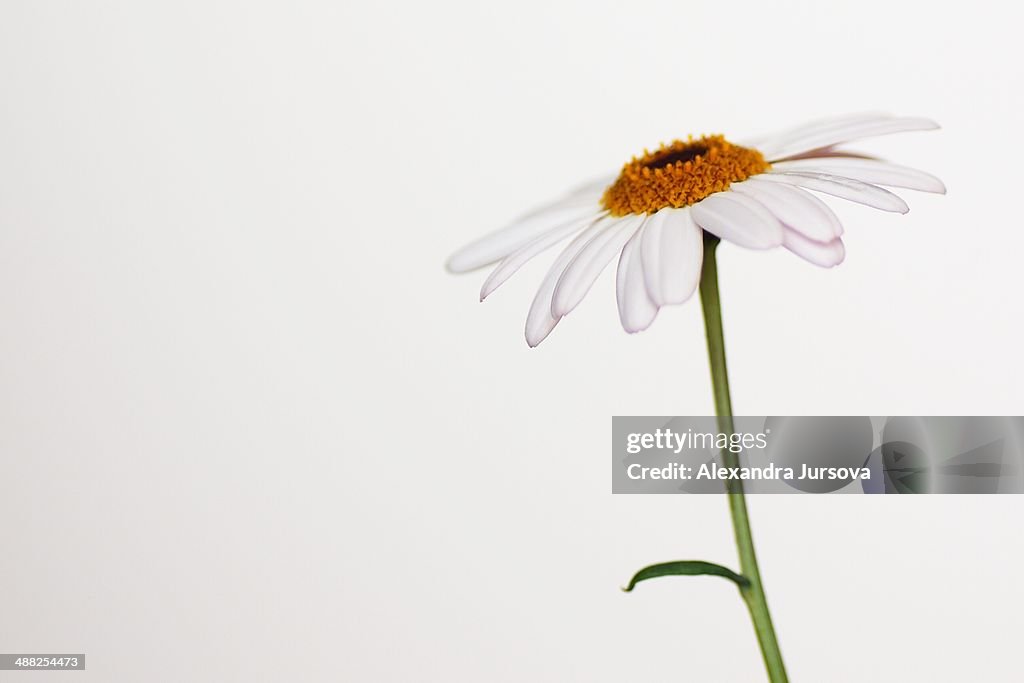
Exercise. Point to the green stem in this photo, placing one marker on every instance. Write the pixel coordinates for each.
(753, 594)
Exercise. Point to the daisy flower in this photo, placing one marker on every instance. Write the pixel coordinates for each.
(654, 214)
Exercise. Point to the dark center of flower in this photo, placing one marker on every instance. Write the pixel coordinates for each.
(673, 156)
(681, 174)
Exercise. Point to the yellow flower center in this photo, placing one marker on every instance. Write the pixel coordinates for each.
(681, 174)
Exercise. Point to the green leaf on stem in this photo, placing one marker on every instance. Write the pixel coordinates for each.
(686, 568)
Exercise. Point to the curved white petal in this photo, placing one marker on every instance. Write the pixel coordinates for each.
(845, 132)
(831, 151)
(845, 188)
(738, 219)
(539, 321)
(514, 261)
(871, 171)
(825, 254)
(579, 276)
(500, 243)
(784, 137)
(796, 208)
(636, 310)
(672, 252)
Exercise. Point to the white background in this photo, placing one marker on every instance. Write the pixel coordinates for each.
(251, 430)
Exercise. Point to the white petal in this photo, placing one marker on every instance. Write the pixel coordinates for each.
(866, 170)
(539, 321)
(796, 208)
(845, 132)
(738, 219)
(672, 251)
(845, 188)
(514, 261)
(579, 276)
(826, 254)
(636, 310)
(831, 151)
(780, 138)
(500, 243)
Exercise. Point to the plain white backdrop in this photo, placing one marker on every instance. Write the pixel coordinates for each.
(251, 430)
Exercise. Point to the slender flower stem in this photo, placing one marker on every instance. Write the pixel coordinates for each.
(753, 594)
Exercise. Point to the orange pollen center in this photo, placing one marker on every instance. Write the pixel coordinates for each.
(681, 174)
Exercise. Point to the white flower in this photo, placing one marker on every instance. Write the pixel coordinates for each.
(654, 214)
